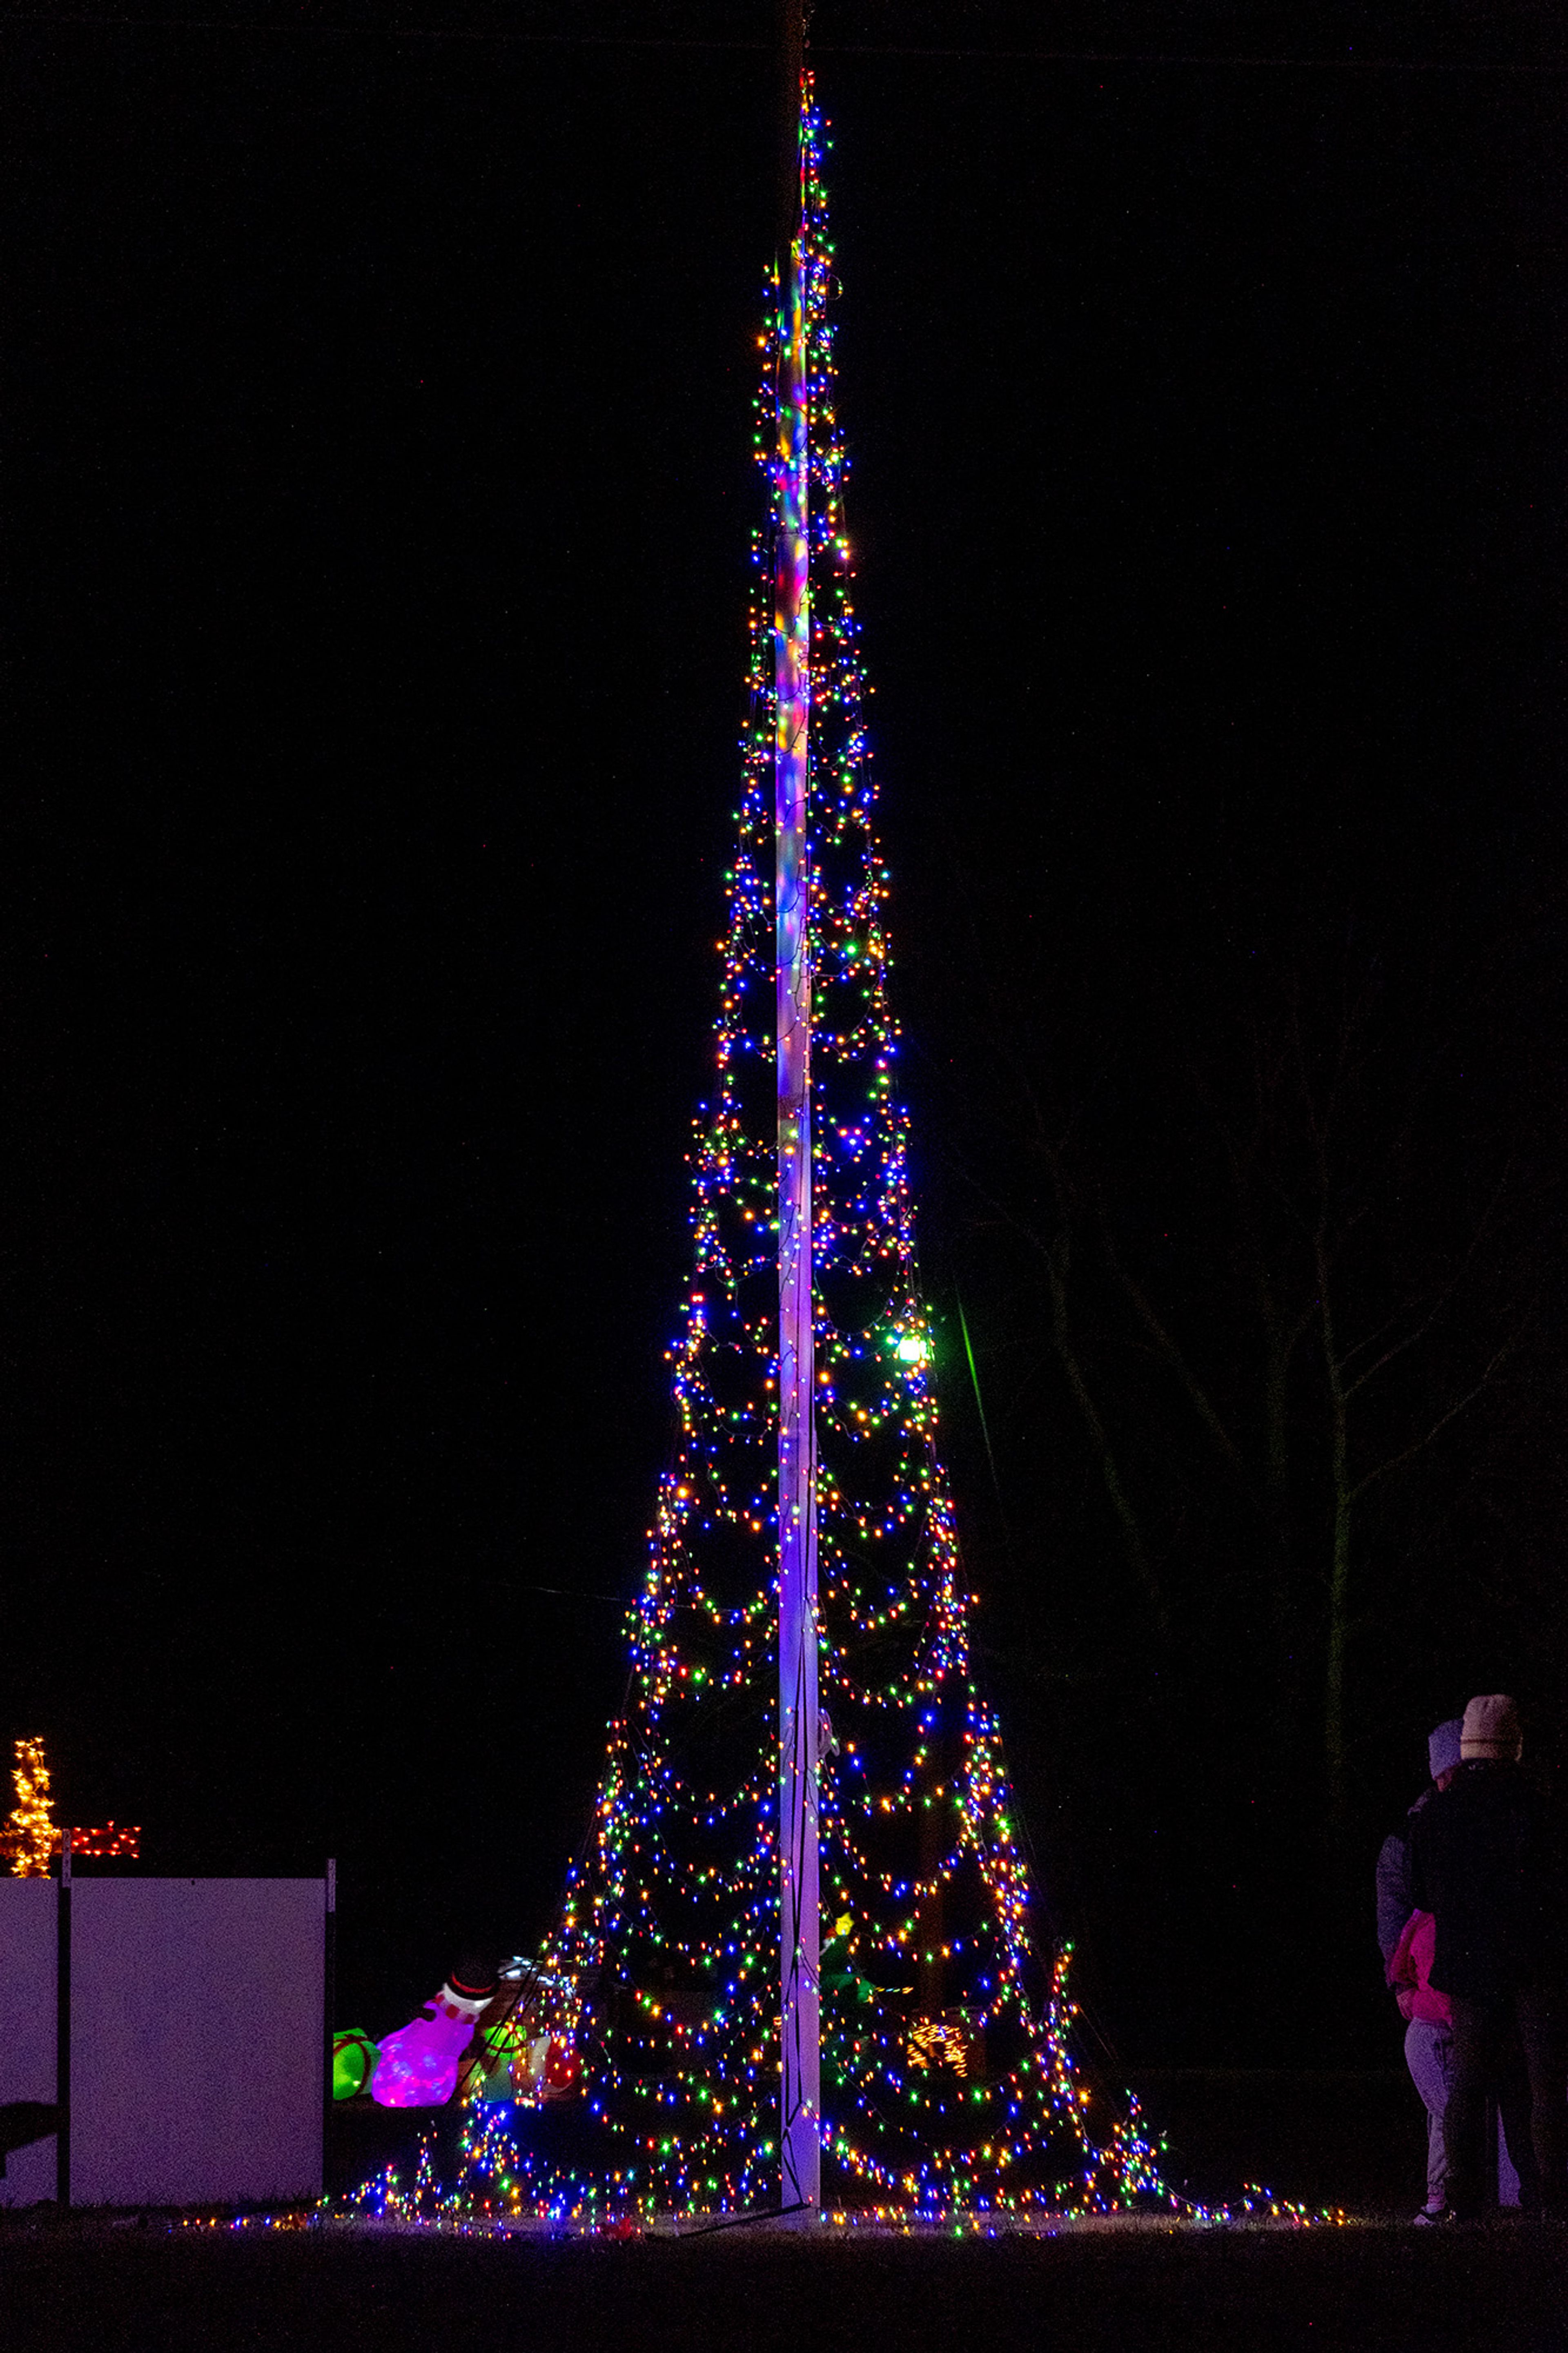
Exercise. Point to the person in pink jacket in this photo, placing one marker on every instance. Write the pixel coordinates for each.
(1409, 1972)
(1428, 2036)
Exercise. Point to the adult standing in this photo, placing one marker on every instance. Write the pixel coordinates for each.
(1482, 1862)
(1429, 2032)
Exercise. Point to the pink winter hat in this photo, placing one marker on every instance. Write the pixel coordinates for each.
(1491, 1729)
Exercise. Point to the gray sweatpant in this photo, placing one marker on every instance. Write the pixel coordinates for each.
(1428, 2048)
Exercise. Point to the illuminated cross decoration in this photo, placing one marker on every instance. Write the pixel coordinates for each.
(32, 1834)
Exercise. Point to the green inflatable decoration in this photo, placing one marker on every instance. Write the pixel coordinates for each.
(353, 2061)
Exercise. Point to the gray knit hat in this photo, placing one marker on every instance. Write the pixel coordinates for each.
(1490, 1729)
(1442, 1746)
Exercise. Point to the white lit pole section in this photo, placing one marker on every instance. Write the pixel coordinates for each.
(801, 2106)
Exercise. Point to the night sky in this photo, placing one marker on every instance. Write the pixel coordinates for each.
(377, 493)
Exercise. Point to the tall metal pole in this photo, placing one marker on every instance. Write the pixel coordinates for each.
(329, 2012)
(63, 2032)
(800, 2090)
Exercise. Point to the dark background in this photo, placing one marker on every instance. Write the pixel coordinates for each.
(376, 414)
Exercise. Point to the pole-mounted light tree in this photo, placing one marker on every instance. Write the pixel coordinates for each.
(806, 1881)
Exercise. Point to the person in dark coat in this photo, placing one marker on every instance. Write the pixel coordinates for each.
(1482, 1862)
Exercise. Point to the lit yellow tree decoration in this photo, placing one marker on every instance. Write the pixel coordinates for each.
(32, 1820)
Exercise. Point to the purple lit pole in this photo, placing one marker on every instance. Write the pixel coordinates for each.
(800, 2090)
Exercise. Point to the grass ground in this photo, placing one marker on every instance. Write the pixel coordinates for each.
(1373, 2289)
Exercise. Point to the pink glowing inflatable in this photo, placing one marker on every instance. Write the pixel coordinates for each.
(417, 2067)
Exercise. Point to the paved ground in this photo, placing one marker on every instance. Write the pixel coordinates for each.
(1357, 2290)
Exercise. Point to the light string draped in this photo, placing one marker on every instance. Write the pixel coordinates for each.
(948, 2076)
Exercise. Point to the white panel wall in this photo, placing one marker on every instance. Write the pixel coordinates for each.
(196, 2041)
(28, 1958)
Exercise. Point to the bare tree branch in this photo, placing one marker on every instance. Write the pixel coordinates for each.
(1399, 1347)
(1482, 1224)
(1109, 1470)
(1173, 1356)
(1442, 1422)
(1053, 1255)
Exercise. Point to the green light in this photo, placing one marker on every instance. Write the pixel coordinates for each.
(913, 1348)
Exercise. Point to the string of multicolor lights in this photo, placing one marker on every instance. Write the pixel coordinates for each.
(948, 2079)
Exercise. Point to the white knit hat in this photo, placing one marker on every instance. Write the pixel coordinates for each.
(1491, 1729)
